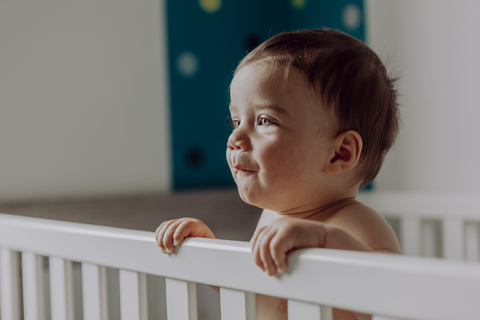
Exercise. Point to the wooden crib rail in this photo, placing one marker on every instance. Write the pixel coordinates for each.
(432, 224)
(388, 286)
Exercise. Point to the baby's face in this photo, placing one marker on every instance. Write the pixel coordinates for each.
(282, 138)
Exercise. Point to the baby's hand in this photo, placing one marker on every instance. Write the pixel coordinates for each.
(272, 243)
(170, 234)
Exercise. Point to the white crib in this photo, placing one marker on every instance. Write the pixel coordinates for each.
(38, 256)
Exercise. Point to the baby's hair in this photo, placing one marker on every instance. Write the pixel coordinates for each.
(350, 78)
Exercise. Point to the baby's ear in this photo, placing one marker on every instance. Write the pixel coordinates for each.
(346, 153)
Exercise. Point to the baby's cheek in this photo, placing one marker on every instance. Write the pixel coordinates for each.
(229, 161)
(277, 160)
(229, 156)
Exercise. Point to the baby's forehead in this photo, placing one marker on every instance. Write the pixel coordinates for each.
(280, 75)
(282, 82)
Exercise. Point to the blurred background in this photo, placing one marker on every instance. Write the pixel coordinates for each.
(114, 112)
(121, 98)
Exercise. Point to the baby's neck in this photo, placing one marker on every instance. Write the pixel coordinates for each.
(320, 212)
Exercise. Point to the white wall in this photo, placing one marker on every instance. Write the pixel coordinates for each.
(436, 49)
(83, 98)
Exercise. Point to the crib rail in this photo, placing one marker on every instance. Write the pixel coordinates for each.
(390, 287)
(432, 225)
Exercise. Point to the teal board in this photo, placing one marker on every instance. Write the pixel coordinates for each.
(206, 40)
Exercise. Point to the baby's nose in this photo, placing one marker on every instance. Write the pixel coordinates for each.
(232, 144)
(230, 147)
(237, 140)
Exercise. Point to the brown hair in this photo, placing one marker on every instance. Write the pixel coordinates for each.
(350, 78)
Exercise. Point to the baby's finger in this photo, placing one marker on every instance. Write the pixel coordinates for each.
(264, 253)
(278, 251)
(255, 236)
(160, 232)
(161, 229)
(183, 230)
(168, 236)
(256, 247)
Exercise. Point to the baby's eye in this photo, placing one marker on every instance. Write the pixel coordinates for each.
(265, 122)
(234, 123)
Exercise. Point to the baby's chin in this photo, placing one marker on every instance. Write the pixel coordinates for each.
(250, 198)
(258, 202)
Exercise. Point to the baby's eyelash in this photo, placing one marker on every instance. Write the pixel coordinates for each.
(264, 121)
(232, 123)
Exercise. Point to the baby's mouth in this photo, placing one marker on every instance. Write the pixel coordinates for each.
(242, 169)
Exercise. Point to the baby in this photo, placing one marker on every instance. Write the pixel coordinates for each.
(313, 114)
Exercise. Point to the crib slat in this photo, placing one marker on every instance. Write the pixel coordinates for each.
(452, 239)
(61, 289)
(94, 292)
(410, 236)
(298, 310)
(9, 285)
(33, 287)
(133, 295)
(237, 305)
(181, 299)
(472, 242)
(428, 243)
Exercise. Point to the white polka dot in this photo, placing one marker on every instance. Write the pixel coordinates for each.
(351, 16)
(210, 6)
(298, 4)
(187, 64)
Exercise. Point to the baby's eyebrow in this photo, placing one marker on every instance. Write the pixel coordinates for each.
(231, 108)
(275, 108)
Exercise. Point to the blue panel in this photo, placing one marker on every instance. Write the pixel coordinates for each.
(204, 48)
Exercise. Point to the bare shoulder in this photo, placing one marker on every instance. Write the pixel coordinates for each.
(266, 218)
(368, 226)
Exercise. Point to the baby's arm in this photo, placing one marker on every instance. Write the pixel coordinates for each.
(272, 243)
(170, 234)
(359, 230)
